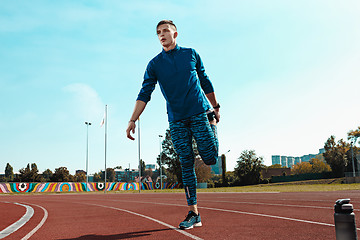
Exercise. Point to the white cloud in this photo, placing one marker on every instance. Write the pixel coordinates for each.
(85, 101)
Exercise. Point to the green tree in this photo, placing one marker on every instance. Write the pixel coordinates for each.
(203, 171)
(231, 178)
(25, 174)
(9, 173)
(353, 136)
(249, 168)
(97, 177)
(61, 174)
(2, 179)
(110, 175)
(29, 174)
(143, 166)
(319, 166)
(47, 175)
(80, 177)
(276, 166)
(302, 168)
(336, 155)
(148, 173)
(34, 173)
(170, 176)
(170, 158)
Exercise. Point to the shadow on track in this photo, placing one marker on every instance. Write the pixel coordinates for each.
(118, 236)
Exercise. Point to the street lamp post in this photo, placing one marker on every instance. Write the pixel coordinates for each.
(352, 158)
(140, 185)
(352, 143)
(223, 168)
(87, 152)
(160, 136)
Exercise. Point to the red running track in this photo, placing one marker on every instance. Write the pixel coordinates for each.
(156, 215)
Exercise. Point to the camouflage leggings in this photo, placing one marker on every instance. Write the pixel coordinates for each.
(206, 139)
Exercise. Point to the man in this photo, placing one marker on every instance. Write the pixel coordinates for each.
(187, 91)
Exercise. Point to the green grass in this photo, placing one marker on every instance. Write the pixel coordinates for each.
(267, 188)
(287, 188)
(305, 186)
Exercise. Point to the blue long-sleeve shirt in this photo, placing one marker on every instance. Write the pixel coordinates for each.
(183, 82)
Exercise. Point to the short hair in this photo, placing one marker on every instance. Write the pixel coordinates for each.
(166, 22)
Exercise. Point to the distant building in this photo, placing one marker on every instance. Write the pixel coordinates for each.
(150, 166)
(126, 175)
(275, 159)
(307, 158)
(284, 161)
(217, 168)
(290, 161)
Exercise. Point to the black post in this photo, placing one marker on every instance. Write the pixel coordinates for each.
(344, 217)
(223, 167)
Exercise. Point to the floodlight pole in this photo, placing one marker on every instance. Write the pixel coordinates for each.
(160, 136)
(87, 152)
(139, 155)
(352, 158)
(105, 147)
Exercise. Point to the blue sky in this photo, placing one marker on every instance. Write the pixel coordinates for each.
(285, 72)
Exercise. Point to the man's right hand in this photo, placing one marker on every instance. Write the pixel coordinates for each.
(139, 108)
(131, 128)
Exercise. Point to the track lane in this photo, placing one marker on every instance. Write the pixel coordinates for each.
(19, 223)
(41, 223)
(316, 220)
(74, 218)
(227, 225)
(33, 224)
(171, 208)
(10, 213)
(322, 215)
(151, 219)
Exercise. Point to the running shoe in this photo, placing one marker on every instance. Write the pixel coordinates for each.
(191, 220)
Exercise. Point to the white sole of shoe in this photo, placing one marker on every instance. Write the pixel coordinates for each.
(187, 228)
(199, 224)
(195, 225)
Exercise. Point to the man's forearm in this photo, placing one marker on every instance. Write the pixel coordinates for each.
(212, 98)
(138, 109)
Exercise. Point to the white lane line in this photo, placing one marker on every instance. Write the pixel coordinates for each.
(18, 224)
(274, 204)
(247, 213)
(259, 203)
(302, 199)
(39, 225)
(152, 219)
(235, 192)
(270, 216)
(269, 204)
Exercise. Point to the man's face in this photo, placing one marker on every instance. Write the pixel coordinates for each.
(167, 35)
